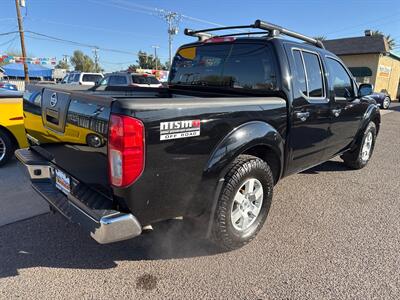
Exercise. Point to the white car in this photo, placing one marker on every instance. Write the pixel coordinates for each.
(83, 78)
(128, 79)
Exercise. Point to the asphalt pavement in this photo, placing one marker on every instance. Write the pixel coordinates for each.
(332, 233)
(17, 200)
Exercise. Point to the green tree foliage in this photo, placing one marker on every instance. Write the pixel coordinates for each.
(320, 37)
(147, 61)
(83, 63)
(62, 64)
(390, 40)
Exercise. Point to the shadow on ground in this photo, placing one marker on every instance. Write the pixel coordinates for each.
(35, 243)
(395, 106)
(329, 166)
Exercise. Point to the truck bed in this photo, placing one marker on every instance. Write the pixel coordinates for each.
(73, 136)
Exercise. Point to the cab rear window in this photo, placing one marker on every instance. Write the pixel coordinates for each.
(140, 79)
(91, 77)
(237, 66)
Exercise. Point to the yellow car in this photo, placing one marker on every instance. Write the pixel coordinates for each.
(12, 131)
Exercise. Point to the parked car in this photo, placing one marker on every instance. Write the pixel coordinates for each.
(240, 113)
(382, 99)
(127, 79)
(82, 78)
(12, 132)
(9, 90)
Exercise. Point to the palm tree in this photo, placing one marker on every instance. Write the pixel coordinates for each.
(320, 38)
(391, 41)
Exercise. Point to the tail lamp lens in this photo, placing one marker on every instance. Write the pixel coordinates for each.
(125, 150)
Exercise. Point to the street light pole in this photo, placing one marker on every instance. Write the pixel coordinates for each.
(22, 38)
(155, 55)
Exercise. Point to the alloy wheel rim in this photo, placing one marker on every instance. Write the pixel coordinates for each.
(386, 102)
(366, 149)
(2, 149)
(247, 203)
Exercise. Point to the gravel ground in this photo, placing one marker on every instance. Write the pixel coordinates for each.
(331, 233)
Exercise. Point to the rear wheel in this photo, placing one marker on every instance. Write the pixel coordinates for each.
(359, 157)
(244, 202)
(6, 147)
(386, 103)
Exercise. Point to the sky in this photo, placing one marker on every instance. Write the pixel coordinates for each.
(120, 28)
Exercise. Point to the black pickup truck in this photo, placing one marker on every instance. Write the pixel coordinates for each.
(241, 111)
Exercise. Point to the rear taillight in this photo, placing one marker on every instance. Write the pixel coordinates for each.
(125, 150)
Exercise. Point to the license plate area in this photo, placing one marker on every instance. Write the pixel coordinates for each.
(62, 181)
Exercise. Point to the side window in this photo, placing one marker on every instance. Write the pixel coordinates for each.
(314, 75)
(299, 73)
(340, 79)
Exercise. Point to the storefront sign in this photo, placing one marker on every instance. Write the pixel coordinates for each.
(384, 71)
(30, 60)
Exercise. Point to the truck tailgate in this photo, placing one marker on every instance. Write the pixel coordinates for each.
(70, 128)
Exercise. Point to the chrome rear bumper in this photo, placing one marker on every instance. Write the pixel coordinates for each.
(92, 211)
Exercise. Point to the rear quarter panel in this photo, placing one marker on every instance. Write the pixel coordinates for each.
(175, 181)
(11, 118)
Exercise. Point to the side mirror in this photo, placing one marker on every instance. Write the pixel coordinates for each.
(365, 89)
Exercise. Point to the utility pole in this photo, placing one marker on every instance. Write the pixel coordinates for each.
(172, 19)
(155, 55)
(96, 59)
(21, 35)
(65, 58)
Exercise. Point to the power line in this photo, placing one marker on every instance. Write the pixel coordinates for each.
(42, 36)
(153, 11)
(9, 41)
(7, 19)
(348, 28)
(118, 6)
(8, 33)
(92, 28)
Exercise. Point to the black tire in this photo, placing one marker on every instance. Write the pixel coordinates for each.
(354, 159)
(245, 167)
(6, 147)
(386, 106)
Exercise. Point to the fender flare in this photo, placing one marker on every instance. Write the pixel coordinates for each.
(242, 138)
(238, 141)
(371, 114)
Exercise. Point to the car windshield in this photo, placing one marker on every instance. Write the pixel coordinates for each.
(141, 79)
(237, 66)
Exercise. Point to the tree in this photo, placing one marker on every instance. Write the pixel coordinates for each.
(82, 62)
(147, 61)
(166, 66)
(390, 40)
(320, 38)
(62, 64)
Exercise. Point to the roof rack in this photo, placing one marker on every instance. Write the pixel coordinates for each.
(272, 29)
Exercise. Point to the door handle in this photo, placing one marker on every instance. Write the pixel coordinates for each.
(336, 112)
(302, 115)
